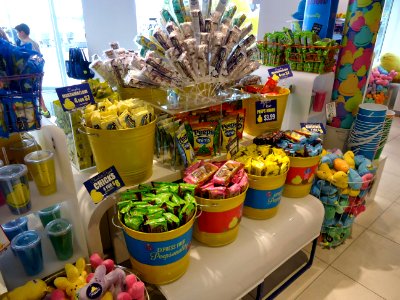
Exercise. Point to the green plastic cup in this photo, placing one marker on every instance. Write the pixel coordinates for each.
(49, 214)
(59, 232)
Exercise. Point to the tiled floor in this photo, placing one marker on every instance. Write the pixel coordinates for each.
(367, 266)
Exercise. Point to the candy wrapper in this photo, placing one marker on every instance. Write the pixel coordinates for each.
(262, 160)
(222, 180)
(226, 172)
(161, 208)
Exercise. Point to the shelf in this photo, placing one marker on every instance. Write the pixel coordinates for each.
(195, 99)
(38, 201)
(8, 261)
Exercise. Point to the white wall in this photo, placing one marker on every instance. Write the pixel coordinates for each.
(274, 15)
(107, 21)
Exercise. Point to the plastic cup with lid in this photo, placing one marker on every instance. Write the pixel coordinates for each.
(15, 188)
(28, 248)
(59, 232)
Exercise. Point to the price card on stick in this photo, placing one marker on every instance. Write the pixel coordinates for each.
(282, 72)
(75, 96)
(104, 184)
(266, 111)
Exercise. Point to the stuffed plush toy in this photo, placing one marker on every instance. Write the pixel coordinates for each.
(390, 61)
(134, 289)
(101, 283)
(76, 278)
(32, 290)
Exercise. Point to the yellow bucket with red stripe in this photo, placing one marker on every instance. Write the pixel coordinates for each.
(218, 223)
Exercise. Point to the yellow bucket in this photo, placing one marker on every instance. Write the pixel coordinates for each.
(265, 112)
(263, 196)
(218, 223)
(159, 258)
(129, 150)
(300, 176)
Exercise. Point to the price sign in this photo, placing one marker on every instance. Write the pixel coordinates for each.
(75, 96)
(314, 127)
(282, 72)
(104, 184)
(266, 111)
(316, 28)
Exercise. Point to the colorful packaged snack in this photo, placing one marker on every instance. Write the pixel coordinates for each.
(257, 167)
(203, 138)
(218, 192)
(244, 182)
(233, 190)
(185, 189)
(228, 132)
(133, 222)
(201, 174)
(110, 123)
(226, 172)
(172, 221)
(185, 149)
(156, 225)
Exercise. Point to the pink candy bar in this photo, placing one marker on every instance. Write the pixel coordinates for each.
(244, 182)
(238, 176)
(226, 172)
(233, 191)
(201, 174)
(218, 192)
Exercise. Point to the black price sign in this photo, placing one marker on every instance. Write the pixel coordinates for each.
(104, 184)
(266, 111)
(316, 28)
(74, 96)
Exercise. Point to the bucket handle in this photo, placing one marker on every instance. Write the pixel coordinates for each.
(87, 133)
(113, 221)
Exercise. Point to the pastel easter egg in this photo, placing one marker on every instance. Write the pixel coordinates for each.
(364, 3)
(373, 16)
(344, 71)
(335, 94)
(347, 121)
(340, 110)
(362, 83)
(357, 21)
(353, 102)
(361, 71)
(341, 99)
(347, 58)
(349, 86)
(364, 37)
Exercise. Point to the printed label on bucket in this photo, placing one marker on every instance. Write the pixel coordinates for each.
(263, 199)
(218, 222)
(301, 175)
(159, 253)
(266, 111)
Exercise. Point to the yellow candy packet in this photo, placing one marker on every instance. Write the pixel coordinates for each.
(96, 119)
(228, 132)
(126, 120)
(257, 167)
(110, 123)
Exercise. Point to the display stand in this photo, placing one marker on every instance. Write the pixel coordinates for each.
(299, 105)
(50, 138)
(232, 271)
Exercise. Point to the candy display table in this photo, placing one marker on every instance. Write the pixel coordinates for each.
(231, 271)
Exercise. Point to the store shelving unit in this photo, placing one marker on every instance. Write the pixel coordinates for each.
(51, 138)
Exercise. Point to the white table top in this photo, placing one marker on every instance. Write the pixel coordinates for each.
(231, 271)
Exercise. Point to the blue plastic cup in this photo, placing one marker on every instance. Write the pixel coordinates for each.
(28, 247)
(14, 227)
